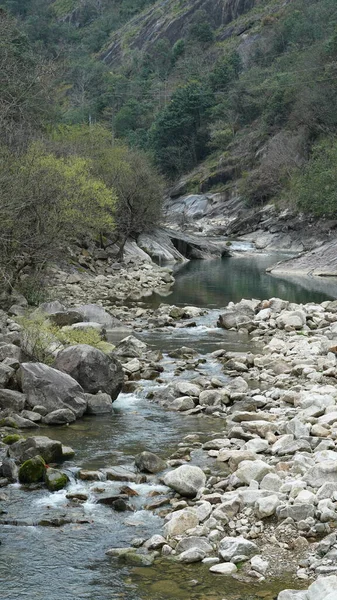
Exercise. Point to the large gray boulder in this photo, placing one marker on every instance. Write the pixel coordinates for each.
(94, 370)
(130, 347)
(186, 480)
(50, 450)
(13, 400)
(48, 387)
(236, 316)
(149, 462)
(98, 404)
(232, 547)
(96, 313)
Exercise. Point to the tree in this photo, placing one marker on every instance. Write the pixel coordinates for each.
(26, 84)
(179, 134)
(139, 187)
(46, 203)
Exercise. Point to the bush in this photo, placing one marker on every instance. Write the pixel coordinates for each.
(314, 188)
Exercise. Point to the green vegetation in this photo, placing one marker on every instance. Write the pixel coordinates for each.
(41, 339)
(94, 94)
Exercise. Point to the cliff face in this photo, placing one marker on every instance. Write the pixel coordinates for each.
(170, 19)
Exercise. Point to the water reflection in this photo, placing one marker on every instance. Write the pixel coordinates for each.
(214, 283)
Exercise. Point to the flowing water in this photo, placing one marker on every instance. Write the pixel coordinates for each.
(69, 562)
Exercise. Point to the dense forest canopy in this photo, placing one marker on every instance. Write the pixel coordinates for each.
(101, 103)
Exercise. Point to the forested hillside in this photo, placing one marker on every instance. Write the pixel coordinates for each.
(97, 96)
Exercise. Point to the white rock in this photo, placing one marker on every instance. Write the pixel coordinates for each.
(186, 480)
(224, 568)
(267, 506)
(181, 521)
(259, 564)
(252, 470)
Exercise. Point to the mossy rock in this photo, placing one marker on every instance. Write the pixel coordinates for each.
(9, 422)
(67, 453)
(32, 470)
(138, 560)
(12, 438)
(55, 480)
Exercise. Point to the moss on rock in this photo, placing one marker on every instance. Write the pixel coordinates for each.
(55, 480)
(32, 470)
(12, 438)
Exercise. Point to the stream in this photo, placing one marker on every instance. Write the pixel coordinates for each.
(69, 562)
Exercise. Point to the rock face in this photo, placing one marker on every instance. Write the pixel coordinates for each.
(50, 388)
(92, 369)
(173, 25)
(186, 480)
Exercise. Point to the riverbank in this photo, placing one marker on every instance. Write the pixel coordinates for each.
(269, 487)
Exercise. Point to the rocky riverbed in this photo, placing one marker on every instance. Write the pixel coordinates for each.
(255, 500)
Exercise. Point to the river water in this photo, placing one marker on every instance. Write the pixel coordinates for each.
(69, 562)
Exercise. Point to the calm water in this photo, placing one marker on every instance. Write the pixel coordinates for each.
(214, 283)
(69, 562)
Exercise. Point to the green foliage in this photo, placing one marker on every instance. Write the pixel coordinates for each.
(200, 30)
(41, 339)
(46, 203)
(314, 188)
(226, 69)
(138, 186)
(178, 136)
(25, 84)
(12, 438)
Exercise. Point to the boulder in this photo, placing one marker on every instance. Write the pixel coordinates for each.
(186, 480)
(130, 347)
(50, 308)
(252, 470)
(322, 588)
(227, 568)
(61, 416)
(97, 314)
(267, 506)
(32, 470)
(236, 317)
(50, 450)
(291, 319)
(51, 388)
(292, 595)
(13, 400)
(192, 555)
(10, 351)
(6, 373)
(231, 547)
(185, 388)
(183, 403)
(92, 369)
(149, 462)
(325, 472)
(98, 404)
(180, 522)
(55, 480)
(193, 542)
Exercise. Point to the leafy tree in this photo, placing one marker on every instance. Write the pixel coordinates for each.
(179, 135)
(314, 187)
(47, 202)
(138, 186)
(26, 84)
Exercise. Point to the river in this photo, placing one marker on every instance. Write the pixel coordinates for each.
(69, 562)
